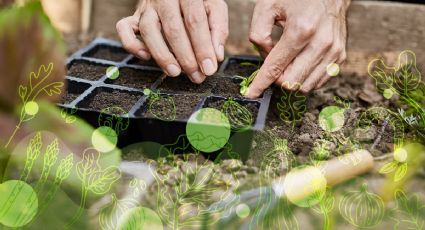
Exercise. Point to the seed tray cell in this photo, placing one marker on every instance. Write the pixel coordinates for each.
(110, 53)
(87, 70)
(135, 78)
(170, 107)
(241, 66)
(104, 97)
(161, 116)
(75, 89)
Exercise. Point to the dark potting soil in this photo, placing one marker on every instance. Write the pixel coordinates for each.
(237, 67)
(137, 61)
(74, 89)
(183, 84)
(67, 98)
(134, 78)
(184, 106)
(115, 54)
(88, 71)
(104, 98)
(359, 90)
(226, 87)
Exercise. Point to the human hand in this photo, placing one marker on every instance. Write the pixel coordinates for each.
(195, 30)
(314, 36)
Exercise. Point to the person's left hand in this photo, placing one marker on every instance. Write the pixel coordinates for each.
(314, 37)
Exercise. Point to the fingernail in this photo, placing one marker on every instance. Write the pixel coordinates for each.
(173, 70)
(208, 67)
(197, 77)
(144, 55)
(221, 52)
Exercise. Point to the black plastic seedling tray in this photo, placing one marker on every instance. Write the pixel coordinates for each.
(93, 95)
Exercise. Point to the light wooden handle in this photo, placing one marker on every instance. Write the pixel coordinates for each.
(334, 171)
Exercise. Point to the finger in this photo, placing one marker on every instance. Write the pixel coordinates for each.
(289, 46)
(218, 18)
(127, 29)
(150, 30)
(196, 21)
(319, 76)
(175, 32)
(327, 76)
(261, 27)
(304, 64)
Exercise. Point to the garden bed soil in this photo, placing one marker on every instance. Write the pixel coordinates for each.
(86, 70)
(134, 78)
(103, 98)
(302, 137)
(184, 106)
(109, 53)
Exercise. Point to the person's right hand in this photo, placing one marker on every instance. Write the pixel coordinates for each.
(195, 30)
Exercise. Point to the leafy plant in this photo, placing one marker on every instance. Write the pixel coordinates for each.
(93, 179)
(184, 193)
(398, 165)
(291, 106)
(247, 80)
(410, 210)
(28, 71)
(403, 80)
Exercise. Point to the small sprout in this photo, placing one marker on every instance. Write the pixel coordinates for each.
(246, 82)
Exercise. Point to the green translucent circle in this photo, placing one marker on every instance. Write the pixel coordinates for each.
(305, 186)
(208, 130)
(331, 118)
(113, 72)
(31, 108)
(140, 218)
(104, 139)
(18, 203)
(388, 93)
(332, 69)
(242, 211)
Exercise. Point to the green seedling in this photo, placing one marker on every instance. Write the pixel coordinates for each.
(246, 81)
